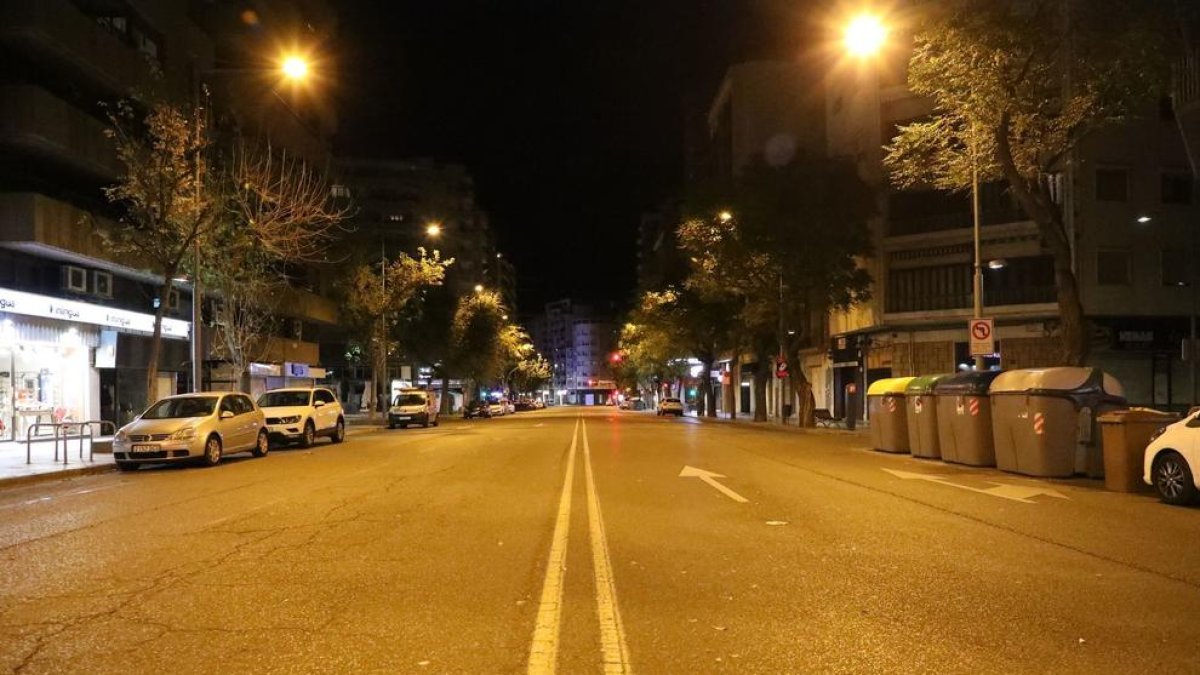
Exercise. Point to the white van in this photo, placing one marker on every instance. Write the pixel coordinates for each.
(413, 406)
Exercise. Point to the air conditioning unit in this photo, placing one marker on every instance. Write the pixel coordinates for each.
(75, 279)
(102, 284)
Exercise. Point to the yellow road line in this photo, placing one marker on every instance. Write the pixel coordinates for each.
(612, 634)
(543, 653)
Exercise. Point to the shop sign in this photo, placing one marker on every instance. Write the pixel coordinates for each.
(317, 373)
(265, 370)
(295, 369)
(29, 304)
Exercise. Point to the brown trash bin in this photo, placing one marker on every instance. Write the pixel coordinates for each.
(964, 418)
(923, 417)
(889, 420)
(1126, 434)
(1043, 420)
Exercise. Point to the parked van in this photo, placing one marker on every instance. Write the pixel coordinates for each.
(413, 406)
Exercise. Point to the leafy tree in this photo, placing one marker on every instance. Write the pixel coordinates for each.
(1016, 86)
(650, 349)
(481, 339)
(376, 295)
(530, 373)
(788, 255)
(166, 195)
(699, 327)
(425, 334)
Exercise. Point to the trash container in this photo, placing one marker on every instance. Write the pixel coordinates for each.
(886, 409)
(964, 418)
(1043, 420)
(1126, 433)
(922, 416)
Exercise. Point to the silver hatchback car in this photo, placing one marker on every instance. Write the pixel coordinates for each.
(203, 426)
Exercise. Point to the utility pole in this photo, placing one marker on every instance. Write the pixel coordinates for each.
(979, 359)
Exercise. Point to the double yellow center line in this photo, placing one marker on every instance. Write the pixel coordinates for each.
(543, 652)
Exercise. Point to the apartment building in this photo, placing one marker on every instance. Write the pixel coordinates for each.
(577, 341)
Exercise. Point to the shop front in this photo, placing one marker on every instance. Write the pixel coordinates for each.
(58, 360)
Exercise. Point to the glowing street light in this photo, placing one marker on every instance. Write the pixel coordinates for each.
(478, 288)
(725, 216)
(865, 35)
(433, 229)
(295, 68)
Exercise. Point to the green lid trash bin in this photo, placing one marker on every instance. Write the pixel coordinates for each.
(889, 420)
(922, 416)
(964, 418)
(1043, 420)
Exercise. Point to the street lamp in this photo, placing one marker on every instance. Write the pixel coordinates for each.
(478, 288)
(434, 230)
(725, 216)
(295, 68)
(865, 35)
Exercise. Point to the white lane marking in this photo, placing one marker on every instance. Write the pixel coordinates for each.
(710, 478)
(612, 634)
(543, 652)
(1016, 493)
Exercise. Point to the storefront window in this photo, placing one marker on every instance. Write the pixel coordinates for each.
(44, 383)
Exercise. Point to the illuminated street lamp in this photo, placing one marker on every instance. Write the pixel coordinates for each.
(865, 35)
(478, 288)
(433, 230)
(295, 68)
(725, 216)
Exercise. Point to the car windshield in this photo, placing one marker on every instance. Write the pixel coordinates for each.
(281, 399)
(173, 408)
(409, 399)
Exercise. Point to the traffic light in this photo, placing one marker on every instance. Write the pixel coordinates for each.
(615, 357)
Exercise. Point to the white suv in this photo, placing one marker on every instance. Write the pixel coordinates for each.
(300, 415)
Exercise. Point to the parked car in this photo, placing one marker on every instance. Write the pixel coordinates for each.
(477, 408)
(413, 406)
(1172, 459)
(539, 404)
(670, 406)
(300, 415)
(497, 407)
(524, 404)
(192, 426)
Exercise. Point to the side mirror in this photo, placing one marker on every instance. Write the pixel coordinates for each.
(318, 404)
(226, 414)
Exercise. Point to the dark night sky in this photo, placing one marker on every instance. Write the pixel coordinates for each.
(568, 113)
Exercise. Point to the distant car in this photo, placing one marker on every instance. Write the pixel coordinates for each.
(192, 426)
(1172, 459)
(477, 408)
(524, 404)
(300, 415)
(670, 406)
(538, 404)
(413, 406)
(497, 407)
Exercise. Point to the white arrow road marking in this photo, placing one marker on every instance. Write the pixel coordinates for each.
(710, 478)
(543, 652)
(612, 635)
(1016, 493)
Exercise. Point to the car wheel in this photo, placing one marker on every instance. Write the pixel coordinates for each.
(339, 431)
(435, 421)
(310, 435)
(212, 451)
(1173, 479)
(127, 466)
(263, 445)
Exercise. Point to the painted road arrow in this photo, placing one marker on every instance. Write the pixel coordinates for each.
(1017, 493)
(710, 478)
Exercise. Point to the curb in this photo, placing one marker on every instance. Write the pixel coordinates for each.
(783, 428)
(48, 476)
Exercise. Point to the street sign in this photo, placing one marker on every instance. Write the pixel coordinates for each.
(983, 339)
(781, 370)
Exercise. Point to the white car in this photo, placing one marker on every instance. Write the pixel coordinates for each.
(1171, 461)
(300, 415)
(670, 406)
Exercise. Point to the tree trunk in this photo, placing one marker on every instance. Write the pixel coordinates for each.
(447, 398)
(164, 294)
(762, 375)
(803, 393)
(379, 369)
(707, 389)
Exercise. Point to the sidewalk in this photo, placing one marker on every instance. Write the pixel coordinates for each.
(42, 466)
(747, 422)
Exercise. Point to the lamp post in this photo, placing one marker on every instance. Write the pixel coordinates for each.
(293, 68)
(978, 285)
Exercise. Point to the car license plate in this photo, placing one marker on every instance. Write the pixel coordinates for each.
(145, 448)
(403, 417)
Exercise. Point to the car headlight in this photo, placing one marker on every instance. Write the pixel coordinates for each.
(289, 420)
(184, 434)
(1158, 432)
(121, 435)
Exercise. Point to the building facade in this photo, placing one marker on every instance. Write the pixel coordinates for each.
(578, 342)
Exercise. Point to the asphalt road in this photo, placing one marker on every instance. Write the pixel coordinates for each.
(428, 551)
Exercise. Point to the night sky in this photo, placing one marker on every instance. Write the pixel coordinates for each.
(568, 113)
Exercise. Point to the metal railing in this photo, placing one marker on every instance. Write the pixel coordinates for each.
(62, 432)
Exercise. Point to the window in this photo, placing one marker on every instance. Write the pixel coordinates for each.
(1175, 268)
(75, 279)
(339, 192)
(229, 405)
(1112, 185)
(1112, 268)
(1176, 188)
(324, 396)
(102, 284)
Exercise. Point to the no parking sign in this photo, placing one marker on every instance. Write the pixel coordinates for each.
(983, 338)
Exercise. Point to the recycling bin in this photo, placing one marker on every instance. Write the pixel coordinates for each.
(922, 416)
(889, 421)
(1043, 420)
(1126, 433)
(964, 418)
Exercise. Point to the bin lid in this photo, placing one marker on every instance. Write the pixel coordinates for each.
(1136, 415)
(923, 384)
(973, 383)
(1060, 380)
(889, 385)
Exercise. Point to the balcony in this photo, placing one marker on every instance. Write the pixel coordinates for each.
(37, 126)
(43, 225)
(300, 304)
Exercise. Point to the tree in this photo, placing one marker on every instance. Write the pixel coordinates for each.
(166, 196)
(1016, 86)
(377, 294)
(425, 333)
(481, 339)
(650, 348)
(531, 373)
(786, 256)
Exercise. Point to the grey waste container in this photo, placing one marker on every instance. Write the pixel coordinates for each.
(964, 418)
(922, 416)
(889, 421)
(1044, 420)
